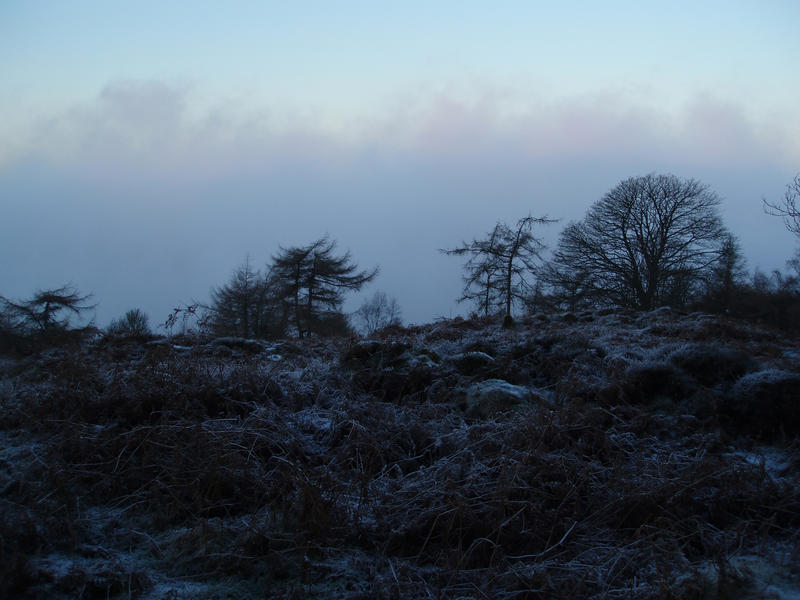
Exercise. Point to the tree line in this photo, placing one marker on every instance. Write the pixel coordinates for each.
(302, 290)
(650, 241)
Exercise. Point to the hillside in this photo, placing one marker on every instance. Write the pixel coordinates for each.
(605, 454)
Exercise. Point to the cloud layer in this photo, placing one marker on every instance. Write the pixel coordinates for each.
(148, 196)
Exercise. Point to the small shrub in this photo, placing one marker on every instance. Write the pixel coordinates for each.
(710, 365)
(765, 403)
(649, 381)
(133, 323)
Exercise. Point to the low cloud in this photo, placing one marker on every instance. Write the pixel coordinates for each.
(157, 124)
(148, 196)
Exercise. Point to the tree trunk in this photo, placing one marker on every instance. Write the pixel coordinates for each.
(509, 272)
(297, 302)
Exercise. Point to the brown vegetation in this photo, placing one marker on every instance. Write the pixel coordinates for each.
(333, 469)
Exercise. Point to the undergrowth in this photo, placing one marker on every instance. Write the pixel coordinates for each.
(128, 473)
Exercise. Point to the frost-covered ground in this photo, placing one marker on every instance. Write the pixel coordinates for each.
(594, 455)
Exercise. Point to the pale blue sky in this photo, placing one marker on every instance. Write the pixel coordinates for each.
(150, 120)
(345, 57)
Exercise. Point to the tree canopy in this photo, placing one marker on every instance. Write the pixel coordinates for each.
(48, 310)
(246, 306)
(789, 208)
(50, 316)
(312, 280)
(649, 241)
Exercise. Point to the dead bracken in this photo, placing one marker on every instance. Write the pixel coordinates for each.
(632, 456)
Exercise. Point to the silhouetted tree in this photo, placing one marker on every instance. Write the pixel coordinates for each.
(49, 317)
(481, 272)
(48, 310)
(727, 276)
(570, 289)
(789, 208)
(498, 266)
(246, 306)
(11, 339)
(650, 241)
(794, 263)
(378, 312)
(773, 299)
(312, 281)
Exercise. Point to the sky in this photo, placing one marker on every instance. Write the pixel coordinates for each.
(148, 148)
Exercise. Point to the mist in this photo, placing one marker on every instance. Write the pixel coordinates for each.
(146, 199)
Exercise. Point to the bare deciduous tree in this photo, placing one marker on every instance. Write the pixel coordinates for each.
(789, 208)
(649, 241)
(378, 312)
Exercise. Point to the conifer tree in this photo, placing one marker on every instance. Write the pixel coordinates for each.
(312, 281)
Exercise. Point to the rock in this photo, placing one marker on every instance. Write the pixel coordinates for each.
(420, 359)
(470, 363)
(492, 396)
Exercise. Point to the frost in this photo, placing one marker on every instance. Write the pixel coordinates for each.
(773, 461)
(489, 397)
(769, 377)
(450, 460)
